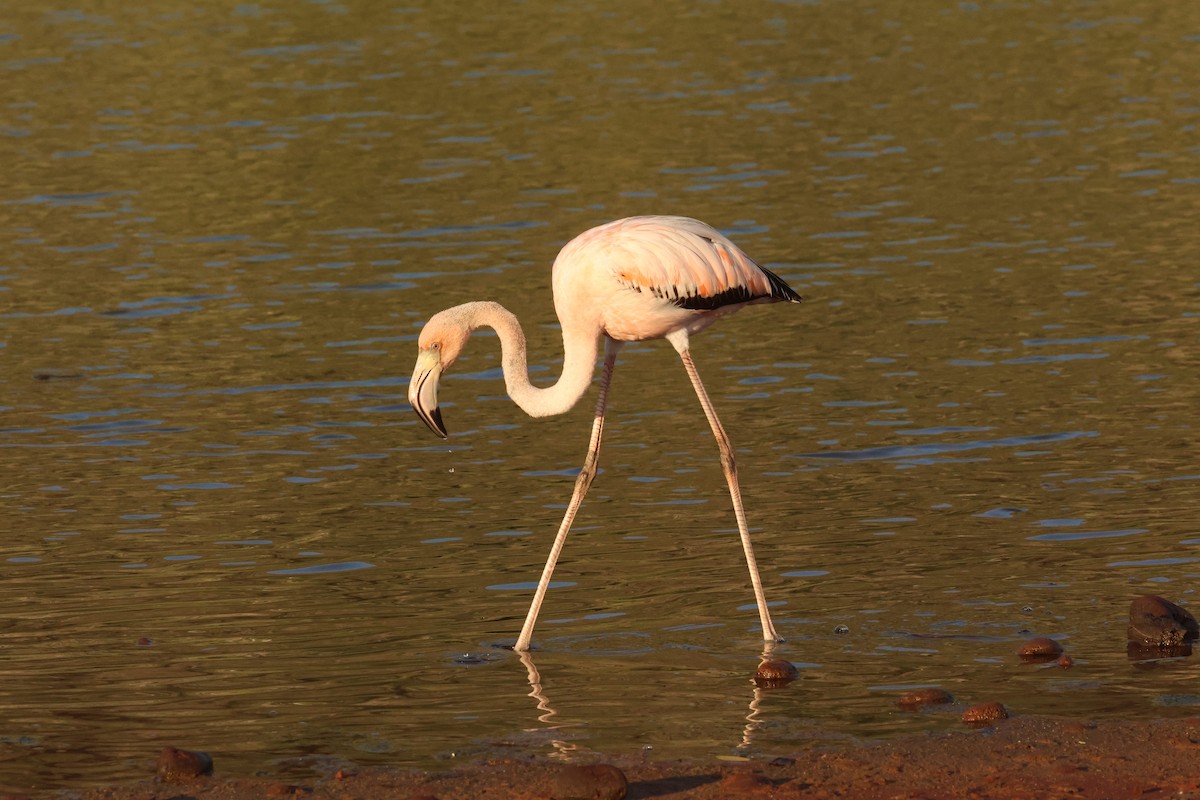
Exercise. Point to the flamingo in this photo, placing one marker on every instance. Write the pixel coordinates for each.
(634, 279)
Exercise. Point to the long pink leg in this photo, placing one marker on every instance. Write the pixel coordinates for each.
(735, 492)
(582, 482)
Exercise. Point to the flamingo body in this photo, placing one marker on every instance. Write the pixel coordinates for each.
(644, 277)
(633, 279)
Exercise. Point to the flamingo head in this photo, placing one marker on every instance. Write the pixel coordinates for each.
(441, 341)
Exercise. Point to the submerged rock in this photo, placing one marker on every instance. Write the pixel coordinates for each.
(917, 698)
(1146, 652)
(984, 713)
(775, 673)
(1040, 649)
(1157, 622)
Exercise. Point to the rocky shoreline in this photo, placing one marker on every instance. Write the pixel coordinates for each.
(994, 756)
(1020, 757)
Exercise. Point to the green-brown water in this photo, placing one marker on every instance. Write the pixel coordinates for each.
(223, 225)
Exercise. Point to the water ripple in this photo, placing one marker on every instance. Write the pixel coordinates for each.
(1074, 536)
(933, 448)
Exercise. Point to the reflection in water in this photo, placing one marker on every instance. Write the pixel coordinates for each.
(564, 749)
(224, 224)
(535, 686)
(754, 718)
(561, 749)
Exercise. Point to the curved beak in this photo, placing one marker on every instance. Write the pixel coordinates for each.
(422, 391)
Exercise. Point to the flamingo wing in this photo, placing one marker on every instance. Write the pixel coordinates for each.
(688, 264)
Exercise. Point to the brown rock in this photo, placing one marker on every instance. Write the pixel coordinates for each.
(1077, 727)
(590, 782)
(183, 765)
(984, 713)
(924, 697)
(1157, 622)
(743, 783)
(775, 673)
(1040, 649)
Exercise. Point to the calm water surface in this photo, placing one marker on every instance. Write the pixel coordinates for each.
(223, 225)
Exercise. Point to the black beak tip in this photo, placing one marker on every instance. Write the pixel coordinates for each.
(432, 420)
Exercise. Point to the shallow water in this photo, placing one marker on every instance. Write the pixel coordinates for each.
(223, 226)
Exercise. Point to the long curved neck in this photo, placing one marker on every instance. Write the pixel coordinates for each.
(579, 361)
